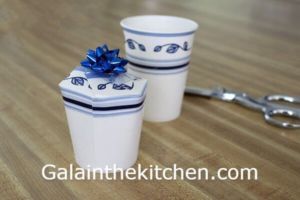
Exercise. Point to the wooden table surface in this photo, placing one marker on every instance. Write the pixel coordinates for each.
(247, 45)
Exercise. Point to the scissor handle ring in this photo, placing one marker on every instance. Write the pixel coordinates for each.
(284, 112)
(279, 97)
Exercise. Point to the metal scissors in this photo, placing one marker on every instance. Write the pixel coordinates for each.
(268, 104)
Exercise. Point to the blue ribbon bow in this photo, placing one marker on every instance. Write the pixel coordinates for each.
(104, 61)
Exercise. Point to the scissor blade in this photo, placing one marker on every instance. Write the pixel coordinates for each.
(199, 91)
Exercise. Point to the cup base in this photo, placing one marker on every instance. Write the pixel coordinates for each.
(162, 120)
(95, 169)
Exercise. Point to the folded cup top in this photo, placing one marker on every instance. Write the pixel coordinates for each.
(86, 91)
(160, 24)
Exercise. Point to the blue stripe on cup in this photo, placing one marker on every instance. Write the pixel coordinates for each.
(101, 110)
(129, 56)
(158, 69)
(159, 34)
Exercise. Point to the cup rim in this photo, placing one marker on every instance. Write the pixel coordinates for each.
(191, 26)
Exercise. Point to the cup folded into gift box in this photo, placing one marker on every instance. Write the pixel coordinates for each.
(104, 114)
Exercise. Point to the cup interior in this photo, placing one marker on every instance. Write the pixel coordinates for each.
(159, 24)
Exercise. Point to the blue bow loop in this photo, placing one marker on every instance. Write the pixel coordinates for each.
(104, 61)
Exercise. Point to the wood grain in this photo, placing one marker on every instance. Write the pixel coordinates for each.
(247, 45)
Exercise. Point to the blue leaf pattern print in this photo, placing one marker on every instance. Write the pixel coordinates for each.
(157, 48)
(185, 46)
(123, 86)
(172, 48)
(103, 86)
(130, 43)
(78, 80)
(142, 47)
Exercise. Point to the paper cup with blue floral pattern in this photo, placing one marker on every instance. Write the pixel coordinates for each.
(159, 49)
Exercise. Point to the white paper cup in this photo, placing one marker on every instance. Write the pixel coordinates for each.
(158, 49)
